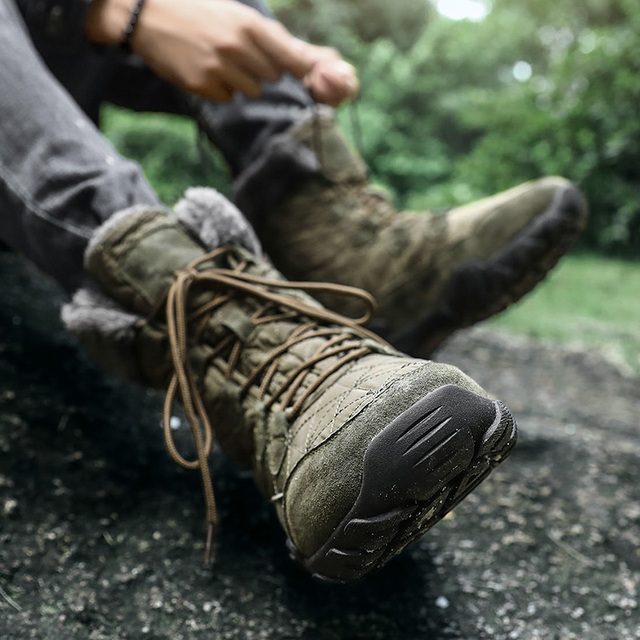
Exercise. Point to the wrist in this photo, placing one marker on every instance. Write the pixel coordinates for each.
(107, 20)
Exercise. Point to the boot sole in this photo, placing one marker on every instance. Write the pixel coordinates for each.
(482, 288)
(415, 471)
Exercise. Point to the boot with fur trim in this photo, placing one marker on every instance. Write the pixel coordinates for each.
(359, 448)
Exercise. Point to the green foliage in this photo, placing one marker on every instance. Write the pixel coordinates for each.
(589, 302)
(340, 22)
(577, 116)
(168, 150)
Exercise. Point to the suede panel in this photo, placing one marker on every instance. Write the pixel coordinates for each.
(338, 161)
(136, 263)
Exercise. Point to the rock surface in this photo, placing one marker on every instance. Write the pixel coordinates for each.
(101, 535)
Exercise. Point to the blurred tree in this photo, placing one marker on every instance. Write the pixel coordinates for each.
(575, 116)
(170, 149)
(338, 22)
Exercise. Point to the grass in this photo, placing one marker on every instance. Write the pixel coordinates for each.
(588, 302)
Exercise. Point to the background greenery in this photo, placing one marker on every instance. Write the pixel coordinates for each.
(588, 302)
(454, 110)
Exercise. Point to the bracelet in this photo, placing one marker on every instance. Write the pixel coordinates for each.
(125, 41)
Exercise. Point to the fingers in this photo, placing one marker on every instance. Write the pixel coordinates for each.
(237, 50)
(282, 49)
(259, 52)
(237, 79)
(232, 69)
(332, 82)
(253, 62)
(330, 79)
(221, 85)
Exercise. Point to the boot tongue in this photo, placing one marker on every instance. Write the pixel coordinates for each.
(135, 255)
(338, 161)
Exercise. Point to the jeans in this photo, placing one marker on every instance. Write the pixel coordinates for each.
(59, 178)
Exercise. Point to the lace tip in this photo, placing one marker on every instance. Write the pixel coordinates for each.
(208, 547)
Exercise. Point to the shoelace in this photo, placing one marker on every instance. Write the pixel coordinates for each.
(229, 283)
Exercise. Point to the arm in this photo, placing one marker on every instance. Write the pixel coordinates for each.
(214, 48)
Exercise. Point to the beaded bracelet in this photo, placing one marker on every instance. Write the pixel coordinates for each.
(125, 41)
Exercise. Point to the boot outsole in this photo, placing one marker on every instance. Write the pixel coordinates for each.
(415, 471)
(482, 288)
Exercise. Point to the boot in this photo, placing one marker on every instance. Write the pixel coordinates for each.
(359, 448)
(431, 274)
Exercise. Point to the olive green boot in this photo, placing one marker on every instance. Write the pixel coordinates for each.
(430, 274)
(359, 448)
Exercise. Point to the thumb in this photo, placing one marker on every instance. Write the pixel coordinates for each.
(285, 51)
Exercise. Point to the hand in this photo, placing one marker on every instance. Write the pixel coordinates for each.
(214, 48)
(330, 79)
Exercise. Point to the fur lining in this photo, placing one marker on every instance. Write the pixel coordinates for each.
(91, 310)
(205, 213)
(215, 221)
(105, 330)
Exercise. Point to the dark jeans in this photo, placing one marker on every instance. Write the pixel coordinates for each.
(59, 177)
